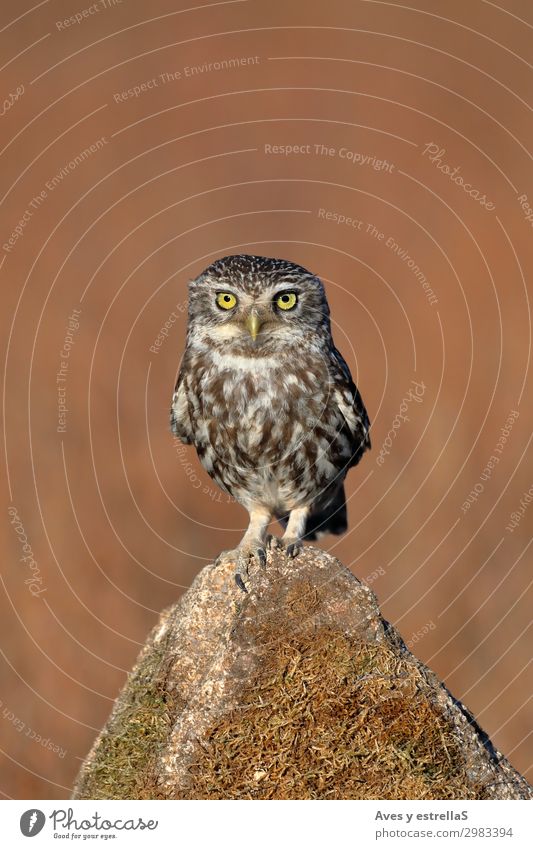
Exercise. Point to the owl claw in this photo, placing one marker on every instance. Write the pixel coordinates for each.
(241, 558)
(272, 542)
(240, 583)
(242, 570)
(259, 554)
(293, 548)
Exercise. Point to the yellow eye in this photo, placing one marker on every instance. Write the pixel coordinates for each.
(287, 300)
(226, 301)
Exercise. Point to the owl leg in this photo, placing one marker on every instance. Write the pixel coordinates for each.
(292, 538)
(252, 546)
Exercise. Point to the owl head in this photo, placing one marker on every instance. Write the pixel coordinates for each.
(255, 305)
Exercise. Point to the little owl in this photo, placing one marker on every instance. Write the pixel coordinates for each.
(268, 401)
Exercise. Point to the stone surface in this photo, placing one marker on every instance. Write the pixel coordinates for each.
(297, 689)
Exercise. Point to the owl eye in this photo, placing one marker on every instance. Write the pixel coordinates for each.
(226, 301)
(287, 301)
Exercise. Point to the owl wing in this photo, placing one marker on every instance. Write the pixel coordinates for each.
(350, 405)
(180, 422)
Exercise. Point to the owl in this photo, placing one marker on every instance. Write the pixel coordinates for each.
(268, 401)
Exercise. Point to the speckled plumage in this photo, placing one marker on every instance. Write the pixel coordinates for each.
(277, 420)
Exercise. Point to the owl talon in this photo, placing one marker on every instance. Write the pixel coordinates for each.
(261, 556)
(240, 583)
(292, 549)
(273, 542)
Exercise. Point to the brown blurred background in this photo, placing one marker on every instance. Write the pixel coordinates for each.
(136, 192)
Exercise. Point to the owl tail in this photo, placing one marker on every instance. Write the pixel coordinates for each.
(332, 518)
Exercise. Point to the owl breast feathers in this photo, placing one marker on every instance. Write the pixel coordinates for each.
(265, 397)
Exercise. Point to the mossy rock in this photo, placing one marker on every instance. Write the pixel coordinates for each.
(296, 690)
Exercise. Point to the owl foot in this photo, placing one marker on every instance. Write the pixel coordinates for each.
(292, 547)
(241, 557)
(244, 556)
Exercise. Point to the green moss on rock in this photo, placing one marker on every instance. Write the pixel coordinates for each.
(125, 763)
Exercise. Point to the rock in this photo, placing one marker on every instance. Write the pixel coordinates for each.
(298, 689)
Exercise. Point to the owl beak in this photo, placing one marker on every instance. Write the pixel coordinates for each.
(253, 324)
